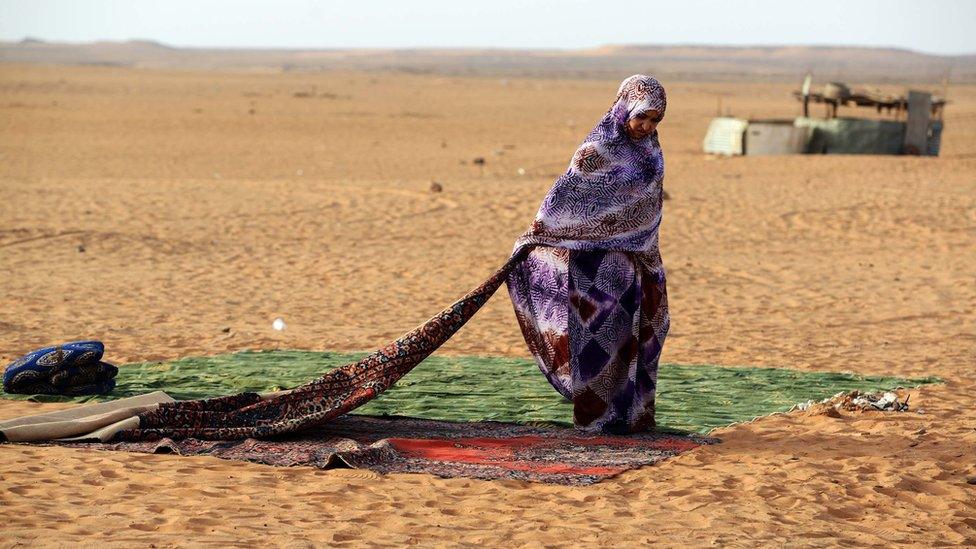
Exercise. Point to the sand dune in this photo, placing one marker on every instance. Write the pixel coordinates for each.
(698, 62)
(155, 209)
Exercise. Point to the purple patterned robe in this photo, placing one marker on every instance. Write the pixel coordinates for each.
(590, 297)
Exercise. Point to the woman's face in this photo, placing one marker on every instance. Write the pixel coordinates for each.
(643, 124)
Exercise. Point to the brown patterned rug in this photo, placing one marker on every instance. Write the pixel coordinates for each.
(483, 450)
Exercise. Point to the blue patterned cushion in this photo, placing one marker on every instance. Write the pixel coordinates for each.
(71, 369)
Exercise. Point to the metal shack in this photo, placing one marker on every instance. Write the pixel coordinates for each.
(916, 127)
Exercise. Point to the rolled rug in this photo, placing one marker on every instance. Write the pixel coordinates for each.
(74, 368)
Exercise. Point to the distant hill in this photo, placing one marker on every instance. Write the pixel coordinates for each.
(767, 63)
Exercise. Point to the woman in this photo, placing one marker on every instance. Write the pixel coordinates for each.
(587, 284)
(590, 297)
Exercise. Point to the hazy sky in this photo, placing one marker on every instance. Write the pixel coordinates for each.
(935, 26)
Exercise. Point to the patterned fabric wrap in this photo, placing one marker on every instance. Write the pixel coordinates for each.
(248, 415)
(74, 368)
(591, 297)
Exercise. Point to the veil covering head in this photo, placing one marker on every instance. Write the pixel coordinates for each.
(590, 296)
(638, 94)
(610, 196)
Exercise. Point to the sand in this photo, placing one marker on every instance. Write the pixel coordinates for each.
(155, 211)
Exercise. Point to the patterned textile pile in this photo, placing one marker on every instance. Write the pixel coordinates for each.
(75, 368)
(483, 450)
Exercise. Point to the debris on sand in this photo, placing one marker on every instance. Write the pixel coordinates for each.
(436, 187)
(886, 402)
(478, 161)
(856, 401)
(665, 195)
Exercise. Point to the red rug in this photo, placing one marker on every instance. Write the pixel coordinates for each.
(484, 450)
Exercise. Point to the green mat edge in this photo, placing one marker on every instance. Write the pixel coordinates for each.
(919, 381)
(355, 355)
(927, 380)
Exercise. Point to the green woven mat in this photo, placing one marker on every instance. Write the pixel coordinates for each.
(690, 397)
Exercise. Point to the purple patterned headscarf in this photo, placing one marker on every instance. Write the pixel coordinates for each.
(610, 197)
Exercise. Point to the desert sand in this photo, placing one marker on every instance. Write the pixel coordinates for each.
(174, 213)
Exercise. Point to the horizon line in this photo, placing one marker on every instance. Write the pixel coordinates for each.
(35, 39)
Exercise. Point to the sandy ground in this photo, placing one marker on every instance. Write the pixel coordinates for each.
(155, 210)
